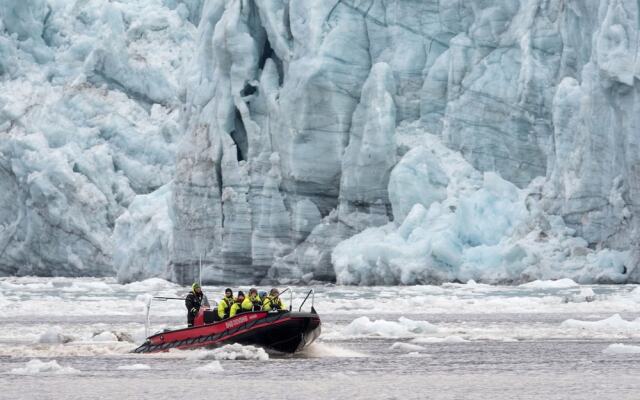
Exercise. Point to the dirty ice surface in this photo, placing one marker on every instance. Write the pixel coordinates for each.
(70, 338)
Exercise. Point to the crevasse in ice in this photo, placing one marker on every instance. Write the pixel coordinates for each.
(422, 140)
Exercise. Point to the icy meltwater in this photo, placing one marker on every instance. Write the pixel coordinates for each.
(70, 338)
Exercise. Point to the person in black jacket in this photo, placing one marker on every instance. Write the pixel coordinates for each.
(193, 302)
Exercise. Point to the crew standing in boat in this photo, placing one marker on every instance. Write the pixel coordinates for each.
(253, 302)
(273, 302)
(224, 307)
(236, 308)
(194, 300)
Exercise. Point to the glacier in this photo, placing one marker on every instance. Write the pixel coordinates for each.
(90, 105)
(357, 141)
(533, 100)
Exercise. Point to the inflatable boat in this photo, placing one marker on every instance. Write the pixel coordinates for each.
(284, 331)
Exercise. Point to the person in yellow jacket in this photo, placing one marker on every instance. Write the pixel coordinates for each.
(224, 306)
(236, 308)
(253, 302)
(273, 302)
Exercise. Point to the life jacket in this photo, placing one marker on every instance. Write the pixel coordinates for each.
(237, 307)
(228, 301)
(257, 303)
(193, 300)
(273, 303)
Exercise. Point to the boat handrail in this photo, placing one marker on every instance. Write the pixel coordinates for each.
(290, 298)
(311, 292)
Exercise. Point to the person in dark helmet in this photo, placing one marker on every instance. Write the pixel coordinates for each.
(236, 308)
(224, 307)
(253, 302)
(273, 302)
(194, 300)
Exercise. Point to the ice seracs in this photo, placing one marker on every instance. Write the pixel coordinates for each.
(470, 228)
(90, 101)
(511, 87)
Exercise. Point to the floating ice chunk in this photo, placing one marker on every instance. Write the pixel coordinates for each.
(620, 348)
(586, 295)
(405, 327)
(446, 339)
(133, 367)
(408, 347)
(54, 335)
(613, 324)
(213, 366)
(105, 336)
(552, 284)
(35, 367)
(150, 285)
(230, 352)
(88, 286)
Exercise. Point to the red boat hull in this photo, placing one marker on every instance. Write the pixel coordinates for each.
(283, 331)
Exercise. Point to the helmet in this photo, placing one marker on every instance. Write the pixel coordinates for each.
(195, 286)
(262, 293)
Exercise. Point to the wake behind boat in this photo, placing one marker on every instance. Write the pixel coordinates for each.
(281, 330)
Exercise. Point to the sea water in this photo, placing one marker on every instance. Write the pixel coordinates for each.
(63, 338)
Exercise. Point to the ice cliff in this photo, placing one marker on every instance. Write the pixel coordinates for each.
(90, 99)
(366, 141)
(522, 158)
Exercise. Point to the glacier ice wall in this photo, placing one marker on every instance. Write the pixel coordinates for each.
(292, 132)
(254, 136)
(90, 100)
